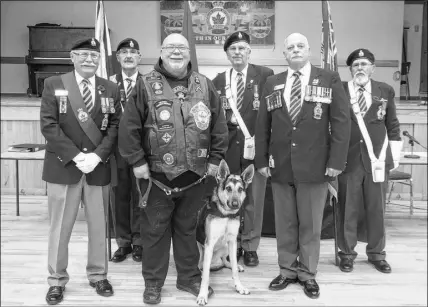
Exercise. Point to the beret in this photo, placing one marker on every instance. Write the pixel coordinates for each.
(236, 37)
(360, 54)
(128, 43)
(88, 43)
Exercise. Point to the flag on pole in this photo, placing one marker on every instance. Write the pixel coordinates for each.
(188, 33)
(328, 43)
(105, 68)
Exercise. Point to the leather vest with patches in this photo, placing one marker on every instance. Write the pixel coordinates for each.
(177, 133)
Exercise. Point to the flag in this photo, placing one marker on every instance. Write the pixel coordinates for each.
(105, 68)
(189, 35)
(328, 43)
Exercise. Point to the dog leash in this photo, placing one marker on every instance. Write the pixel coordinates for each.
(168, 191)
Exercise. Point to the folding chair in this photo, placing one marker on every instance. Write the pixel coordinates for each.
(401, 178)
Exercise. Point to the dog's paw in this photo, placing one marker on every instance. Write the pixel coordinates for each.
(242, 290)
(202, 300)
(240, 268)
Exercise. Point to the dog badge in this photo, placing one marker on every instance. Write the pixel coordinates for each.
(104, 123)
(157, 88)
(164, 115)
(315, 81)
(82, 115)
(168, 158)
(256, 101)
(201, 114)
(318, 111)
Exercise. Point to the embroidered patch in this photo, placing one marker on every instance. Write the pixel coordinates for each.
(164, 115)
(202, 152)
(168, 158)
(166, 137)
(202, 115)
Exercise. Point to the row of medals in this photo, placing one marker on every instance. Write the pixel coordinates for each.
(319, 95)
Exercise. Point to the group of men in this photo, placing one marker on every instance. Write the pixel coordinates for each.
(164, 133)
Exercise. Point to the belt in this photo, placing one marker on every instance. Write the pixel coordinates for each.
(168, 191)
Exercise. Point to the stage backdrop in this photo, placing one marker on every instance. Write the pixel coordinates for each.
(214, 21)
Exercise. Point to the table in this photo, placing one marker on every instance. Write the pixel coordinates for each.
(9, 155)
(421, 161)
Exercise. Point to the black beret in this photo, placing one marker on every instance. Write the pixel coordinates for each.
(360, 54)
(88, 43)
(128, 43)
(236, 37)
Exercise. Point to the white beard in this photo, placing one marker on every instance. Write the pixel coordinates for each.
(176, 66)
(361, 80)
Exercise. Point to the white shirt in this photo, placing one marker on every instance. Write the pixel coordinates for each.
(234, 80)
(91, 84)
(304, 80)
(133, 77)
(367, 93)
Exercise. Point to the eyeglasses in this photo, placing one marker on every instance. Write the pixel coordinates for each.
(237, 48)
(84, 55)
(126, 51)
(362, 64)
(172, 48)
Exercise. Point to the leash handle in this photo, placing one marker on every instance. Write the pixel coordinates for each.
(142, 203)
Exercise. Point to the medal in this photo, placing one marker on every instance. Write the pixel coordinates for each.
(256, 101)
(104, 123)
(271, 162)
(82, 115)
(103, 104)
(122, 96)
(63, 104)
(111, 105)
(318, 111)
(308, 93)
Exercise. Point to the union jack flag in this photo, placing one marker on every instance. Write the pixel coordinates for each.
(105, 68)
(328, 43)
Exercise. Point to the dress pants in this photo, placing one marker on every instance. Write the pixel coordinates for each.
(298, 219)
(253, 213)
(63, 206)
(169, 217)
(126, 211)
(357, 192)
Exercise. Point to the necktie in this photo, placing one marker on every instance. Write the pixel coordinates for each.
(362, 101)
(87, 96)
(129, 88)
(239, 90)
(295, 97)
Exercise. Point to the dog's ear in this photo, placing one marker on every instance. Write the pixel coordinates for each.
(223, 171)
(248, 174)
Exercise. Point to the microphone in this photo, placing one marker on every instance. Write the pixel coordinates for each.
(411, 138)
(412, 142)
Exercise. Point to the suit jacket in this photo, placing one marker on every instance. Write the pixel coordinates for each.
(377, 126)
(255, 75)
(118, 79)
(66, 138)
(302, 152)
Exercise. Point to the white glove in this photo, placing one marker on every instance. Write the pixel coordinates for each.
(89, 163)
(142, 171)
(396, 152)
(79, 158)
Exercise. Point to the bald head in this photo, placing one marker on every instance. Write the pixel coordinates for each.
(296, 50)
(175, 39)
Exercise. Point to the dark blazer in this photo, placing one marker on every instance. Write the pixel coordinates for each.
(258, 75)
(66, 139)
(117, 78)
(375, 126)
(302, 152)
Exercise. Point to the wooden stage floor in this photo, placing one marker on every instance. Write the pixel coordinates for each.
(24, 268)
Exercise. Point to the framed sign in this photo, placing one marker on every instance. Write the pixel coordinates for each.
(214, 21)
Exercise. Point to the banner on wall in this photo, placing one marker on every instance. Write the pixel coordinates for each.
(214, 21)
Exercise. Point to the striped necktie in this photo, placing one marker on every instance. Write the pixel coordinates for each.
(87, 96)
(295, 97)
(129, 88)
(239, 90)
(362, 101)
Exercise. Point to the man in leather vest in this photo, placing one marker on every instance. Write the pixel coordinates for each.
(246, 82)
(126, 211)
(304, 125)
(172, 132)
(359, 194)
(79, 117)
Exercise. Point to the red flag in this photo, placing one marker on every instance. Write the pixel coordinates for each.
(105, 68)
(188, 33)
(328, 43)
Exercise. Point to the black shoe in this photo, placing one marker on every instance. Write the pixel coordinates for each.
(121, 253)
(346, 265)
(137, 253)
(251, 258)
(55, 295)
(152, 295)
(103, 287)
(239, 253)
(311, 288)
(281, 282)
(194, 288)
(381, 266)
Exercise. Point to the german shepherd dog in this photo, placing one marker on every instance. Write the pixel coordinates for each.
(220, 221)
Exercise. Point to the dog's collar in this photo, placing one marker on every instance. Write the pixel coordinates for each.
(213, 210)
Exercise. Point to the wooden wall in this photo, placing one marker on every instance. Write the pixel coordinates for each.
(20, 124)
